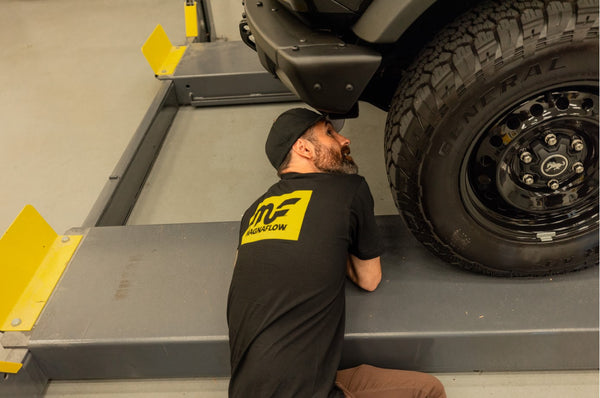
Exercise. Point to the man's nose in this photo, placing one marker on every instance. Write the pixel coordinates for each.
(342, 140)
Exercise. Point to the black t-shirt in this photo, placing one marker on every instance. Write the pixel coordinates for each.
(286, 306)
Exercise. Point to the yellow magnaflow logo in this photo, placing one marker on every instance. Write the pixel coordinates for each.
(278, 217)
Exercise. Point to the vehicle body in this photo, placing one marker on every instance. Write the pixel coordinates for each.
(492, 134)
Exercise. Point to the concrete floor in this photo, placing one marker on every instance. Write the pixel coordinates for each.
(458, 385)
(212, 173)
(74, 87)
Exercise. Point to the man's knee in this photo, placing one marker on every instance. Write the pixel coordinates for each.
(424, 384)
(435, 388)
(370, 378)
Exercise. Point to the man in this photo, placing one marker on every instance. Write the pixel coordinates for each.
(286, 306)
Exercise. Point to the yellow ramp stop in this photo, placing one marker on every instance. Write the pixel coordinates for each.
(32, 259)
(162, 56)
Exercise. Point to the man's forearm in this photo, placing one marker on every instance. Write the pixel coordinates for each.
(350, 271)
(364, 273)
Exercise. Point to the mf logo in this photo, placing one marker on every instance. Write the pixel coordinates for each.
(278, 217)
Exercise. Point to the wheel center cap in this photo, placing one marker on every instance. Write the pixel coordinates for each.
(554, 165)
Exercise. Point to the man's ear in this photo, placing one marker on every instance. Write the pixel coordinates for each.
(304, 148)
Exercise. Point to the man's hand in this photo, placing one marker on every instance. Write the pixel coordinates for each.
(365, 273)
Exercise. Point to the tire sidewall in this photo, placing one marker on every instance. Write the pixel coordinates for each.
(462, 125)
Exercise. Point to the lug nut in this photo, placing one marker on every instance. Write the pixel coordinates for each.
(577, 145)
(528, 179)
(578, 168)
(526, 157)
(553, 184)
(550, 139)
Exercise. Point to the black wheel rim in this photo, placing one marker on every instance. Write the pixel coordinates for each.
(532, 174)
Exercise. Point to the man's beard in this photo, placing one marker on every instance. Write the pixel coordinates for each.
(329, 160)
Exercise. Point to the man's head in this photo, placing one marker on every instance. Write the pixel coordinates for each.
(301, 140)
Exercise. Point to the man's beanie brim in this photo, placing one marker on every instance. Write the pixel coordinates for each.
(288, 127)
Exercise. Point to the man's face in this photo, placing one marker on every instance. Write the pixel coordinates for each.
(332, 150)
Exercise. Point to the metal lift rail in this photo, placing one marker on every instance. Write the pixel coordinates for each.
(149, 301)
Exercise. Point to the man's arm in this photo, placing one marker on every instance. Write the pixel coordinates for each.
(365, 273)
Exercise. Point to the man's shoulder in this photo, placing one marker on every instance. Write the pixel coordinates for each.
(325, 182)
(351, 180)
(322, 177)
(322, 182)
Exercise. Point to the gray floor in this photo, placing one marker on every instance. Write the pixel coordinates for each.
(219, 175)
(74, 87)
(458, 385)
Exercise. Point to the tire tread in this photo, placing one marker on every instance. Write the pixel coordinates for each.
(469, 49)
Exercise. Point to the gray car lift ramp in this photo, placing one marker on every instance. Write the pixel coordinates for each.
(149, 301)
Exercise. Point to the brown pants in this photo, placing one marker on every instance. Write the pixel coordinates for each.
(367, 381)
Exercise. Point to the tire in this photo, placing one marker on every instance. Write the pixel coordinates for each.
(473, 166)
